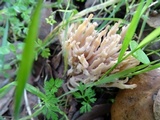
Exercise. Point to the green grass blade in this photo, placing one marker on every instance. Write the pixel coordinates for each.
(36, 113)
(4, 39)
(126, 73)
(27, 58)
(146, 6)
(139, 54)
(145, 41)
(35, 91)
(149, 68)
(6, 88)
(149, 38)
(95, 8)
(117, 8)
(28, 87)
(131, 30)
(4, 43)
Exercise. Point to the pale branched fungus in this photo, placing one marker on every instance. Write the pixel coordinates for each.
(92, 53)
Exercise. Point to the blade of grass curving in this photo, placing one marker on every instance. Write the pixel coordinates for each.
(128, 39)
(27, 58)
(149, 68)
(131, 30)
(28, 87)
(36, 113)
(95, 8)
(6, 88)
(113, 77)
(145, 41)
(145, 18)
(116, 9)
(153, 52)
(126, 73)
(35, 91)
(67, 16)
(149, 38)
(109, 19)
(148, 2)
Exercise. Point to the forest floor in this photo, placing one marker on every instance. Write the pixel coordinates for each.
(50, 65)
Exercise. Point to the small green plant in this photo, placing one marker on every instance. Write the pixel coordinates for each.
(50, 20)
(86, 96)
(18, 13)
(51, 106)
(10, 54)
(45, 52)
(50, 103)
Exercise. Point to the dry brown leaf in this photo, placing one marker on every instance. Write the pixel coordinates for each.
(154, 21)
(5, 101)
(137, 104)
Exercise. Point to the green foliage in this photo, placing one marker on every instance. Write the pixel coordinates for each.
(18, 13)
(10, 47)
(51, 107)
(86, 96)
(50, 103)
(4, 90)
(51, 86)
(139, 54)
(10, 54)
(50, 20)
(50, 111)
(45, 52)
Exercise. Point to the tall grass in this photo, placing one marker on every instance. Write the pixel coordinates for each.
(27, 59)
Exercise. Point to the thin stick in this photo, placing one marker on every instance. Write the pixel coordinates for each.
(95, 8)
(27, 104)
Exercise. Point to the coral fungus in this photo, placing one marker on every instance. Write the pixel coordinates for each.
(92, 53)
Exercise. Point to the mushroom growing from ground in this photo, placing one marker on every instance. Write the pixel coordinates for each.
(91, 53)
(141, 103)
